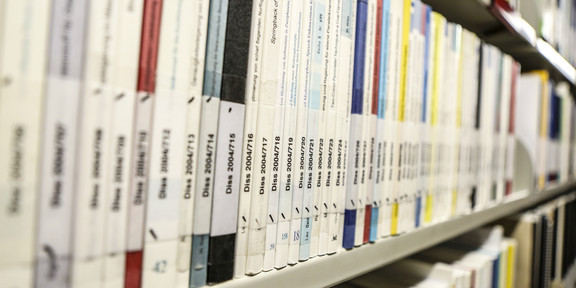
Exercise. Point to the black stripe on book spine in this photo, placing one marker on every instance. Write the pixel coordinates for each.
(221, 258)
(237, 44)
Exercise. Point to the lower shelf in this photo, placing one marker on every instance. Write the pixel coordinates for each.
(345, 264)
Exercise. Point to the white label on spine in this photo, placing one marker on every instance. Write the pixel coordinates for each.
(227, 168)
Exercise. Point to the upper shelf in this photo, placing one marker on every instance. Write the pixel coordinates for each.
(509, 32)
(345, 264)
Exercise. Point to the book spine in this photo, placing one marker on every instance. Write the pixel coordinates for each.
(301, 133)
(345, 89)
(291, 27)
(383, 142)
(166, 154)
(230, 132)
(264, 142)
(511, 138)
(308, 241)
(63, 88)
(366, 184)
(278, 52)
(327, 215)
(91, 201)
(249, 165)
(334, 180)
(145, 88)
(207, 141)
(354, 147)
(199, 16)
(300, 65)
(377, 133)
(23, 63)
(125, 73)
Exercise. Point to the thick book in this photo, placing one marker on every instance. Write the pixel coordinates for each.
(140, 157)
(167, 138)
(211, 91)
(60, 126)
(229, 149)
(249, 136)
(199, 17)
(93, 158)
(23, 68)
(355, 138)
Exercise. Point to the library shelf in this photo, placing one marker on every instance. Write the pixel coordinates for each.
(323, 271)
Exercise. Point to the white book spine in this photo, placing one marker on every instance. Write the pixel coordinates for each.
(58, 169)
(279, 53)
(291, 23)
(264, 144)
(91, 202)
(301, 129)
(335, 161)
(321, 10)
(329, 88)
(199, 18)
(23, 74)
(249, 167)
(123, 90)
(166, 154)
(308, 241)
(217, 20)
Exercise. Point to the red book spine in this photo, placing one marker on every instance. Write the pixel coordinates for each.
(511, 124)
(146, 83)
(375, 88)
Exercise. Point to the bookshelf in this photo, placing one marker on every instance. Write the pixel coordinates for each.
(346, 264)
(510, 33)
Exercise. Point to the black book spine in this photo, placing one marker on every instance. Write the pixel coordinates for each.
(234, 72)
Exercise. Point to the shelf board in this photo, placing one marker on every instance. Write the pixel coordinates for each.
(346, 264)
(510, 33)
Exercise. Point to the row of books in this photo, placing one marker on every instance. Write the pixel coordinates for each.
(182, 143)
(529, 249)
(483, 258)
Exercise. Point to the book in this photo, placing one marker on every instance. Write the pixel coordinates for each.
(511, 138)
(23, 72)
(208, 142)
(298, 238)
(312, 193)
(140, 157)
(276, 88)
(264, 142)
(199, 16)
(60, 128)
(167, 138)
(230, 132)
(94, 146)
(250, 126)
(300, 62)
(344, 80)
(124, 90)
(355, 138)
(289, 87)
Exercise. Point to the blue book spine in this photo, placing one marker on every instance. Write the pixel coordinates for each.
(355, 125)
